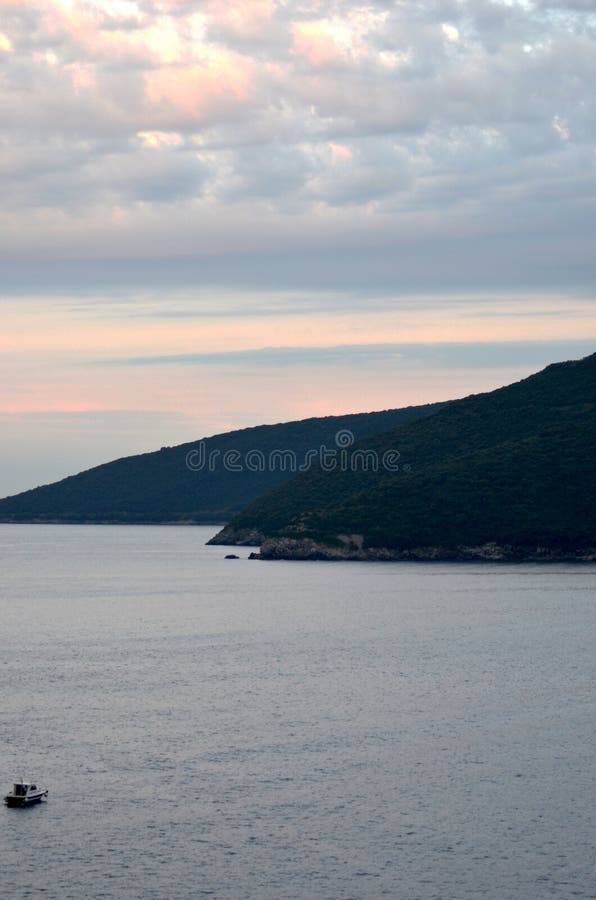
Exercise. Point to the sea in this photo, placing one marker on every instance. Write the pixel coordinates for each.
(221, 728)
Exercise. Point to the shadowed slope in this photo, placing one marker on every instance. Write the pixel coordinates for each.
(512, 466)
(160, 486)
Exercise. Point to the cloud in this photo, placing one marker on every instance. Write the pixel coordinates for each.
(190, 93)
(473, 355)
(240, 18)
(256, 125)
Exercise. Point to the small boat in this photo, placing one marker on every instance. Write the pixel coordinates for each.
(23, 793)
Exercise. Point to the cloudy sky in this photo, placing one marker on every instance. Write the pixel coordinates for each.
(216, 214)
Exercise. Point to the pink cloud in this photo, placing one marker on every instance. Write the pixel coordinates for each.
(340, 153)
(81, 75)
(174, 5)
(59, 19)
(241, 16)
(188, 89)
(96, 35)
(315, 42)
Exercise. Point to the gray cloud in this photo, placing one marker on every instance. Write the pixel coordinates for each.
(440, 355)
(458, 131)
(558, 258)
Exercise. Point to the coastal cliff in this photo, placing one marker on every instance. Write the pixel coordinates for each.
(307, 549)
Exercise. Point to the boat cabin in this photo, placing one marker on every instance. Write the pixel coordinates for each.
(20, 789)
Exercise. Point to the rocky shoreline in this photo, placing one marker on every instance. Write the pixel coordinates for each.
(310, 550)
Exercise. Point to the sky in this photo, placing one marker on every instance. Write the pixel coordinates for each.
(224, 213)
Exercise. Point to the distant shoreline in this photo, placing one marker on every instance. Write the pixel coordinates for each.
(308, 550)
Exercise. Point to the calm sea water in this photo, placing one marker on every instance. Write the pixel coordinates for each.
(242, 729)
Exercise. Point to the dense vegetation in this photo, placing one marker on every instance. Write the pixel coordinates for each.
(160, 487)
(514, 466)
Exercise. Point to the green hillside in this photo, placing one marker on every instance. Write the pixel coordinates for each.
(514, 466)
(160, 486)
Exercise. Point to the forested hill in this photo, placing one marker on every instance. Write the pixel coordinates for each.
(515, 466)
(195, 482)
